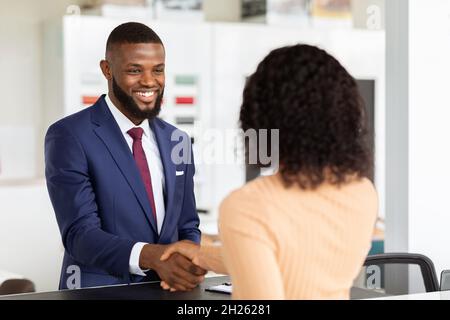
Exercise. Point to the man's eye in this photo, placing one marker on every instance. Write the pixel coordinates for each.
(159, 70)
(134, 71)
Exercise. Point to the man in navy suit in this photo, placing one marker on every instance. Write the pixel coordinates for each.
(119, 193)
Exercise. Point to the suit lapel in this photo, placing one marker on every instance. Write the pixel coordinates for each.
(109, 132)
(165, 145)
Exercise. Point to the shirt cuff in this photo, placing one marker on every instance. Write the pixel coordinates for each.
(134, 259)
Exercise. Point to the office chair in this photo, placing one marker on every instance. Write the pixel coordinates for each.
(445, 280)
(397, 274)
(15, 286)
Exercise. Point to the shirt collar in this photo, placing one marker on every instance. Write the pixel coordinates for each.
(124, 123)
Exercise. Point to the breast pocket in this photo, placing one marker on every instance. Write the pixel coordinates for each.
(179, 173)
(180, 181)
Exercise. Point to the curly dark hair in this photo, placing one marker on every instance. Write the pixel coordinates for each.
(315, 103)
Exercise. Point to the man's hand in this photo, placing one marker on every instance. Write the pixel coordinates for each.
(178, 272)
(186, 248)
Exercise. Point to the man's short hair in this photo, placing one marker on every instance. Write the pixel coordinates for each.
(132, 32)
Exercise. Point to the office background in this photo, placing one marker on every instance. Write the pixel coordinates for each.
(396, 49)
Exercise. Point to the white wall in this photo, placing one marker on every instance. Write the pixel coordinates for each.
(429, 114)
(418, 113)
(29, 237)
(30, 243)
(19, 87)
(21, 57)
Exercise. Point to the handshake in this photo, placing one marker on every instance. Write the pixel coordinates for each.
(179, 265)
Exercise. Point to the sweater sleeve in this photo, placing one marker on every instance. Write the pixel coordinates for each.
(249, 252)
(210, 258)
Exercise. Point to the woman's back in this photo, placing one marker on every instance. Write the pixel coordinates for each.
(291, 243)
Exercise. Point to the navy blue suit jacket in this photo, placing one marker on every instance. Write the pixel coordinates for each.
(100, 201)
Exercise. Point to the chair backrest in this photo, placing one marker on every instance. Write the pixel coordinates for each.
(445, 280)
(16, 286)
(398, 273)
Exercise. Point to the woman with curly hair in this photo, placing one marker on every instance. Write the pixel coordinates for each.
(304, 232)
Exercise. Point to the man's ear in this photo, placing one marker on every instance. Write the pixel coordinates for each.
(106, 70)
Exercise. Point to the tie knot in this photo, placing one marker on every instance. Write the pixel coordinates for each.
(136, 133)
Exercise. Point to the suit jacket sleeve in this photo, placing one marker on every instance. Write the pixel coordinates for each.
(73, 198)
(189, 220)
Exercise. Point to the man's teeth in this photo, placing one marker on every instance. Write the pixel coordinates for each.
(145, 94)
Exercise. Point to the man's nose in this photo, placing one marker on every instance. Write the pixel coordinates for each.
(148, 79)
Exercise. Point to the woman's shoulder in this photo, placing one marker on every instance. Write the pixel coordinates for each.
(245, 208)
(253, 190)
(249, 196)
(362, 186)
(362, 195)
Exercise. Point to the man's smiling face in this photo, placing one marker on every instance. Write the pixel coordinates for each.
(136, 78)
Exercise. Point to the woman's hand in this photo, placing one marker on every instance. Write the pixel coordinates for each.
(186, 248)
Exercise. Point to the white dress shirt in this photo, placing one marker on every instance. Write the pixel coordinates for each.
(156, 168)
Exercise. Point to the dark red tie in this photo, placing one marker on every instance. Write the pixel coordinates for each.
(141, 161)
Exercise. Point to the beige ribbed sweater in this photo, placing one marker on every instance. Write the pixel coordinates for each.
(281, 243)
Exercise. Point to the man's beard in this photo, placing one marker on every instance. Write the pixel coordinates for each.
(131, 106)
